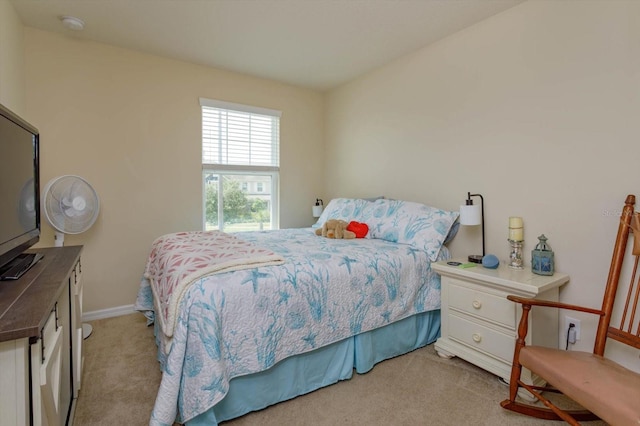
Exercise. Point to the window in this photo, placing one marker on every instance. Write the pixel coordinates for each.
(240, 166)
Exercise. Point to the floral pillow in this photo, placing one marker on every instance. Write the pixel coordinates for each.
(405, 222)
(347, 209)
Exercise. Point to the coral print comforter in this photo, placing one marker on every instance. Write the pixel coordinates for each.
(229, 324)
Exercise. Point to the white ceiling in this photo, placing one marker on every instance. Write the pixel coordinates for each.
(318, 44)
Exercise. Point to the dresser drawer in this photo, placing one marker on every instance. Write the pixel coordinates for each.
(50, 334)
(482, 338)
(479, 303)
(76, 279)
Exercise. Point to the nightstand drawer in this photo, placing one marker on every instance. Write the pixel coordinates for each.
(481, 338)
(482, 304)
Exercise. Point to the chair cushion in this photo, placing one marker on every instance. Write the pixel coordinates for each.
(606, 388)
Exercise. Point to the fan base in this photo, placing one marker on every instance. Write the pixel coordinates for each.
(87, 329)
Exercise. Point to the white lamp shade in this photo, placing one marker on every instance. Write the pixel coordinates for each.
(471, 215)
(316, 210)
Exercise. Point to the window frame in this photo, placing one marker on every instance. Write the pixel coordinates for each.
(233, 169)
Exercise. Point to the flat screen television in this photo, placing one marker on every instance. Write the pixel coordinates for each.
(19, 194)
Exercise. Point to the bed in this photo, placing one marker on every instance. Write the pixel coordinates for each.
(281, 313)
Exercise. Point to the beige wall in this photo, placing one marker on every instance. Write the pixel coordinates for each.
(11, 59)
(536, 108)
(130, 124)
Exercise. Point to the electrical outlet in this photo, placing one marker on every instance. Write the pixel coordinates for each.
(575, 322)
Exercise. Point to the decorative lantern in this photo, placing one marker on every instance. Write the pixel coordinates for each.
(542, 258)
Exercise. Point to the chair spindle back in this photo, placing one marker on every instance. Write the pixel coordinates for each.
(624, 330)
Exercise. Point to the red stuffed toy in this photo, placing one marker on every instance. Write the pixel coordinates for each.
(360, 229)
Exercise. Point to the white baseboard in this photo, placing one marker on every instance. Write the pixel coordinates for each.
(108, 313)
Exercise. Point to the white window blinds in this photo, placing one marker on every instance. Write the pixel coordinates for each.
(239, 135)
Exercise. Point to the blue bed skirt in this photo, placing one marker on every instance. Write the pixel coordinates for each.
(322, 367)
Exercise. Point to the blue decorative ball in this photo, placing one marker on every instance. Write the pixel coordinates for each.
(490, 261)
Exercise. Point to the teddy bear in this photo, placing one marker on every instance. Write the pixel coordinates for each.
(335, 228)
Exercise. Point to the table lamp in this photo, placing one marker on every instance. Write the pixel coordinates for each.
(471, 215)
(316, 209)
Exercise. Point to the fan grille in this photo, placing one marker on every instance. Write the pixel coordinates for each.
(71, 204)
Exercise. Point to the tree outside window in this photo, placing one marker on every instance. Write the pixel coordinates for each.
(242, 212)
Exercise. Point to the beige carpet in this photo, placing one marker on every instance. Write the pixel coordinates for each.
(121, 377)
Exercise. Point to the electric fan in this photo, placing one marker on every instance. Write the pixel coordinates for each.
(71, 206)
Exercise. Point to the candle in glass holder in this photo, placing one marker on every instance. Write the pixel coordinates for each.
(516, 229)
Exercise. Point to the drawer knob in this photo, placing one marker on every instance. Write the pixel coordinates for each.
(477, 304)
(476, 337)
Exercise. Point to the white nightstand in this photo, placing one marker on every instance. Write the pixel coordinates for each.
(478, 322)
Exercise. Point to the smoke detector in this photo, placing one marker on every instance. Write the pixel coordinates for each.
(72, 23)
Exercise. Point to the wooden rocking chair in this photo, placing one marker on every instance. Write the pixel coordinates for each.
(604, 388)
